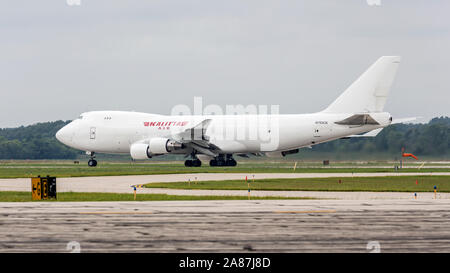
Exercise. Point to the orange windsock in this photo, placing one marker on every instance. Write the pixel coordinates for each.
(409, 155)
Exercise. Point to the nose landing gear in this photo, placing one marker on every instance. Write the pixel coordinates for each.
(92, 162)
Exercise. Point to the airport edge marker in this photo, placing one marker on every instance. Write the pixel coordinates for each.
(248, 186)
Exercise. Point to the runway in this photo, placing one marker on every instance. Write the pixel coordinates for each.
(122, 184)
(227, 226)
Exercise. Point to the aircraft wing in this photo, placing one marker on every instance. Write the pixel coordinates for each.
(196, 138)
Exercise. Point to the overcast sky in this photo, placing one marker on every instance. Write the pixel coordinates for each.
(57, 60)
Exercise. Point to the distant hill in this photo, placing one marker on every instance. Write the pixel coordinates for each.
(36, 141)
(432, 140)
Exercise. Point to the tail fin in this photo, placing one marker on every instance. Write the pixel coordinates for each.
(369, 92)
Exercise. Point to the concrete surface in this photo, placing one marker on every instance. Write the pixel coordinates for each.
(227, 226)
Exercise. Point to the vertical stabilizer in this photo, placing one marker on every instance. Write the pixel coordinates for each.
(369, 92)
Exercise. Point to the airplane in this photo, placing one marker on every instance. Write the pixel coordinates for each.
(357, 112)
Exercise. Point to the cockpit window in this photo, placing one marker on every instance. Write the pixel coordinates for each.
(80, 117)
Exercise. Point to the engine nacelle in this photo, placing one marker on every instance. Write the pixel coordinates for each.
(155, 146)
(159, 145)
(140, 151)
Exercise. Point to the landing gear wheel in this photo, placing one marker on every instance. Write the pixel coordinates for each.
(217, 163)
(193, 163)
(196, 163)
(213, 163)
(222, 161)
(231, 162)
(92, 163)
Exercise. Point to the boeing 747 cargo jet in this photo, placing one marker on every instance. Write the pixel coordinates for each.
(357, 112)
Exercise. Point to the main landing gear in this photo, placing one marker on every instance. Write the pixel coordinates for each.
(194, 162)
(92, 162)
(221, 160)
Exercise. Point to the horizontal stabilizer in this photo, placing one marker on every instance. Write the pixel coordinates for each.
(372, 133)
(361, 119)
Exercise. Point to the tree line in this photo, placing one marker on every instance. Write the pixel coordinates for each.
(430, 139)
(35, 141)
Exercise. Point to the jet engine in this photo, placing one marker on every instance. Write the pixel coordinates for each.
(155, 146)
(140, 151)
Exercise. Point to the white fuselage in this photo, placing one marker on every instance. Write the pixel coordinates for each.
(359, 109)
(116, 131)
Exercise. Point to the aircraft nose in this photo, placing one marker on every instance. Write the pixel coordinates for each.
(64, 135)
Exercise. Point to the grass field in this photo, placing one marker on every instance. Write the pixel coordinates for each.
(79, 196)
(19, 169)
(385, 184)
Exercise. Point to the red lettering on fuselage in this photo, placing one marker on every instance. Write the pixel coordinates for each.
(166, 124)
